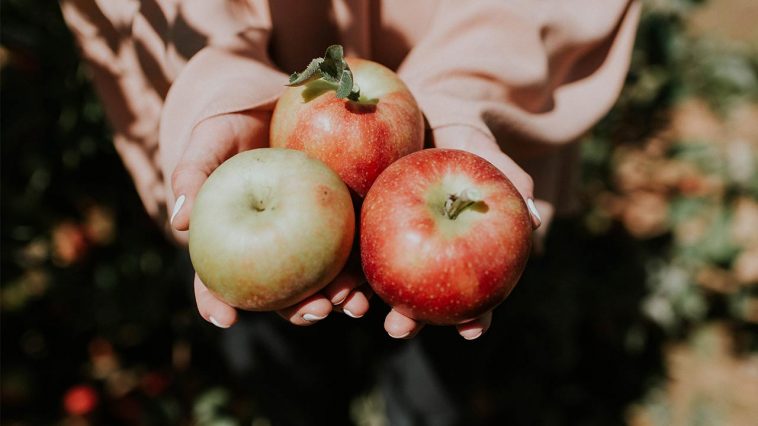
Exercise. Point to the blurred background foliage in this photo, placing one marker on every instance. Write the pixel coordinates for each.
(644, 309)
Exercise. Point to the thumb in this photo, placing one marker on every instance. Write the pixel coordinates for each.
(484, 145)
(212, 142)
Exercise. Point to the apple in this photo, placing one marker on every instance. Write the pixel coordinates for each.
(444, 236)
(269, 228)
(355, 115)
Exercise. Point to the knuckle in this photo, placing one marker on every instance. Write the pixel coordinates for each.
(527, 183)
(186, 176)
(177, 176)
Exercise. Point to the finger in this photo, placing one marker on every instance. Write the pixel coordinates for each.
(473, 329)
(476, 142)
(399, 326)
(357, 303)
(211, 308)
(338, 290)
(547, 211)
(212, 141)
(308, 312)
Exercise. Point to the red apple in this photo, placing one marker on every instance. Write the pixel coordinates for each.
(444, 236)
(269, 228)
(357, 138)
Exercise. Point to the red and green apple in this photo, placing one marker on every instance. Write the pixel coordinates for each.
(444, 236)
(355, 115)
(269, 228)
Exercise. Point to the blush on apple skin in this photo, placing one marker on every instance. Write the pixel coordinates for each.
(430, 267)
(358, 140)
(269, 228)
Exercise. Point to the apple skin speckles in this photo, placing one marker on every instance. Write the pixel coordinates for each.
(358, 140)
(287, 244)
(433, 268)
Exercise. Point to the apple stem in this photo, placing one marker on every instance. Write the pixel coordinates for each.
(456, 203)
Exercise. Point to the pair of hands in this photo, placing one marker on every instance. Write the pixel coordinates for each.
(220, 137)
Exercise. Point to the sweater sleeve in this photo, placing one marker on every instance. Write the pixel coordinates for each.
(532, 75)
(131, 98)
(160, 67)
(231, 73)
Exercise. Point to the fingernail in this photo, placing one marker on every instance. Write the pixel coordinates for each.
(340, 297)
(350, 314)
(313, 318)
(177, 206)
(402, 336)
(533, 210)
(471, 334)
(216, 323)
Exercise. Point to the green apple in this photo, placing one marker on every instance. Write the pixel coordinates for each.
(269, 228)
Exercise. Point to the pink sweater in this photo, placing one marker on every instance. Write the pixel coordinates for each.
(533, 75)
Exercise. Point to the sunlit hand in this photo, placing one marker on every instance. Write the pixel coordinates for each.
(469, 139)
(212, 142)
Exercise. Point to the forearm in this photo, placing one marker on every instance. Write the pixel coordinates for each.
(161, 68)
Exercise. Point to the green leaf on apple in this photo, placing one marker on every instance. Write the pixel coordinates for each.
(346, 85)
(312, 72)
(334, 65)
(331, 68)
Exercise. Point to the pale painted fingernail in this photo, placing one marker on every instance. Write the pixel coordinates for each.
(350, 314)
(216, 323)
(177, 206)
(471, 334)
(340, 297)
(533, 210)
(313, 318)
(401, 336)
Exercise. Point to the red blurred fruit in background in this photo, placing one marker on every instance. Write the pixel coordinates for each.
(80, 400)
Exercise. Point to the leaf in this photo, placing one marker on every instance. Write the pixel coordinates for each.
(329, 72)
(335, 53)
(333, 65)
(311, 72)
(334, 61)
(346, 84)
(331, 68)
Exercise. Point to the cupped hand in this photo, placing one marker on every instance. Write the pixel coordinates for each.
(477, 142)
(211, 142)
